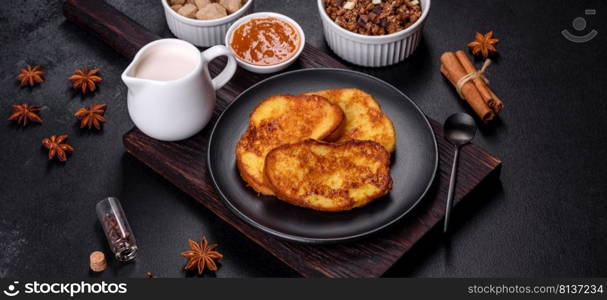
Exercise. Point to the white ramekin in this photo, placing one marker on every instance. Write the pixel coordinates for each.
(373, 51)
(272, 68)
(204, 33)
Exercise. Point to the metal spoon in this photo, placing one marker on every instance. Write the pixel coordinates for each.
(459, 130)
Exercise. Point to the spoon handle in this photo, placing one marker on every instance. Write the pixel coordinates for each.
(451, 188)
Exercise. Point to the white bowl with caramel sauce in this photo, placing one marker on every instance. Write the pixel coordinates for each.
(265, 42)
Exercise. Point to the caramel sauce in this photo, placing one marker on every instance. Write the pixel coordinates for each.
(265, 41)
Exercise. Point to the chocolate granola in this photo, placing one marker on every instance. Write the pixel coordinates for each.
(374, 17)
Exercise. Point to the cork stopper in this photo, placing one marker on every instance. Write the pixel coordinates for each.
(97, 261)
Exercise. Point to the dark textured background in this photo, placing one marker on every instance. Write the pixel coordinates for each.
(547, 216)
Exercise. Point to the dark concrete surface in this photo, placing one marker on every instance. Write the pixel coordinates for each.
(546, 216)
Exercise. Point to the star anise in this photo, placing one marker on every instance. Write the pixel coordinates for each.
(91, 116)
(24, 113)
(202, 255)
(57, 147)
(85, 79)
(30, 76)
(484, 44)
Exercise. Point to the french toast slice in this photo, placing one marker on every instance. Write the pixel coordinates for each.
(365, 119)
(327, 176)
(278, 120)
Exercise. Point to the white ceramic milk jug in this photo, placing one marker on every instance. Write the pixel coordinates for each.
(171, 95)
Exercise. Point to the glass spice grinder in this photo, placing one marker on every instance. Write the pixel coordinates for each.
(116, 229)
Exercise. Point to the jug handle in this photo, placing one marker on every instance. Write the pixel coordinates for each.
(228, 71)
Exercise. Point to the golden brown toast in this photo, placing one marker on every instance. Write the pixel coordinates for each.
(278, 120)
(329, 177)
(364, 118)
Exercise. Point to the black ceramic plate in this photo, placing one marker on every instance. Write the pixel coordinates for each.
(414, 161)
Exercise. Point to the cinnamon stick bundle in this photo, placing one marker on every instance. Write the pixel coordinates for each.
(475, 91)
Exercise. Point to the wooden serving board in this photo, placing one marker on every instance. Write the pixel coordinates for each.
(184, 164)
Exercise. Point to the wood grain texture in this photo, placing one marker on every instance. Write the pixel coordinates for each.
(109, 25)
(184, 164)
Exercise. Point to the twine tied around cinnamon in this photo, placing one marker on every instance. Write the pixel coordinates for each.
(473, 75)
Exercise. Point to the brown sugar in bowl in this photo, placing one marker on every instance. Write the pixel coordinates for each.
(204, 33)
